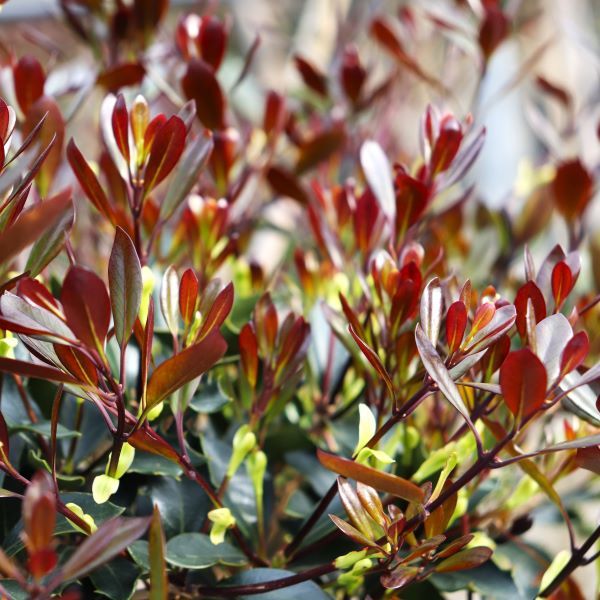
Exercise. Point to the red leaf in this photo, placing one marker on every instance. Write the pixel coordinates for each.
(32, 223)
(319, 148)
(122, 75)
(167, 147)
(212, 41)
(562, 283)
(456, 323)
(27, 369)
(465, 559)
(87, 306)
(89, 182)
(180, 369)
(188, 295)
(249, 353)
(575, 351)
(120, 126)
(274, 112)
(529, 291)
(53, 128)
(412, 198)
(285, 183)
(374, 359)
(446, 145)
(523, 382)
(352, 74)
(380, 480)
(148, 440)
(572, 189)
(200, 84)
(29, 80)
(218, 312)
(589, 459)
(111, 538)
(493, 30)
(39, 513)
(311, 76)
(77, 363)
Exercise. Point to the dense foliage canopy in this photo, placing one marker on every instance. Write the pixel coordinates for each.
(258, 343)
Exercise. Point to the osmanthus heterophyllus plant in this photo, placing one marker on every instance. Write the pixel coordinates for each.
(369, 406)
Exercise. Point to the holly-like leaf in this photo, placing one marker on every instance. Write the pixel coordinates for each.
(523, 382)
(125, 285)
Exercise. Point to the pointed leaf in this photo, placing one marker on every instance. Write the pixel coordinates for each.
(465, 559)
(431, 310)
(456, 323)
(159, 585)
(186, 173)
(375, 361)
(182, 368)
(125, 285)
(167, 146)
(440, 375)
(169, 292)
(110, 539)
(379, 480)
(32, 224)
(218, 312)
(188, 295)
(89, 182)
(120, 126)
(87, 306)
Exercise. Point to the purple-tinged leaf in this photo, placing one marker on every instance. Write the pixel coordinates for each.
(87, 306)
(125, 285)
(111, 538)
(439, 374)
(182, 368)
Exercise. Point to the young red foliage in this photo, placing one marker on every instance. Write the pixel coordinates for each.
(523, 382)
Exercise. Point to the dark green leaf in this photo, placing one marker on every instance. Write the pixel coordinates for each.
(196, 551)
(117, 579)
(307, 589)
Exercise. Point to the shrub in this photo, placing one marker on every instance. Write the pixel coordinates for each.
(368, 406)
